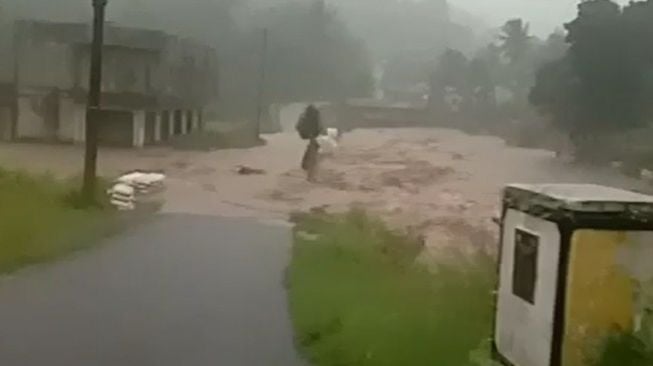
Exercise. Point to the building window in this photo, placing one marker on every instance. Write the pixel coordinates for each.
(524, 276)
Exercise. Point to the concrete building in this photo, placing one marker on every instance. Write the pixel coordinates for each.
(154, 85)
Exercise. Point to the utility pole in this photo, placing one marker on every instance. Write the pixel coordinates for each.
(261, 86)
(93, 103)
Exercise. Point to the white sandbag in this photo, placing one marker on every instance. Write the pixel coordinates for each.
(130, 178)
(135, 186)
(122, 205)
(122, 189)
(122, 196)
(143, 182)
(333, 133)
(328, 145)
(156, 177)
(142, 178)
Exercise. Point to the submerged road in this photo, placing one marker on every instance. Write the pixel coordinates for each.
(180, 290)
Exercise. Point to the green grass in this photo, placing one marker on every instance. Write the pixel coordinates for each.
(623, 349)
(39, 220)
(357, 297)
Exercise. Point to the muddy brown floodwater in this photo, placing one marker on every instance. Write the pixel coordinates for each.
(441, 183)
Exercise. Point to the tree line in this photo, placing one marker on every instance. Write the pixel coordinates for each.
(603, 84)
(494, 82)
(589, 80)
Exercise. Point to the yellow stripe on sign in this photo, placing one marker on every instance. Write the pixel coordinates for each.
(599, 294)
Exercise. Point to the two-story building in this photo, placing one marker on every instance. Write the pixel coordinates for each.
(154, 85)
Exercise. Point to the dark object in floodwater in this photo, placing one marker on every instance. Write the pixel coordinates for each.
(309, 160)
(309, 128)
(245, 170)
(309, 125)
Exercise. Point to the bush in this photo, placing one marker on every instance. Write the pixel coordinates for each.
(358, 297)
(624, 349)
(39, 219)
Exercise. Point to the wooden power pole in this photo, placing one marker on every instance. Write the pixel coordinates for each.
(93, 103)
(261, 86)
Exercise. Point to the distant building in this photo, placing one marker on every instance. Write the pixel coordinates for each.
(154, 85)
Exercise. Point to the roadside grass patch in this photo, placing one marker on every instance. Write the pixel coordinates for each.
(39, 219)
(358, 297)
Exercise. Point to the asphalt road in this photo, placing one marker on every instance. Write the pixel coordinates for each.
(181, 290)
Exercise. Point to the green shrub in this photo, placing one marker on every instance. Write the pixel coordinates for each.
(624, 349)
(39, 220)
(358, 297)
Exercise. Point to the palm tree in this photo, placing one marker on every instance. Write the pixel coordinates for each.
(515, 40)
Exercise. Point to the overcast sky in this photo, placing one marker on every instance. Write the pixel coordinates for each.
(543, 15)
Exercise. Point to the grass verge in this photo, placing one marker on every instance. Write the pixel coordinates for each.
(358, 297)
(39, 220)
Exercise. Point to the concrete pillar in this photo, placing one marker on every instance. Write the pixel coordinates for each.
(196, 120)
(184, 124)
(139, 129)
(171, 123)
(200, 119)
(190, 121)
(157, 126)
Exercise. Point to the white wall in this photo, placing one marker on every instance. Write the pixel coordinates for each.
(30, 123)
(139, 129)
(80, 123)
(72, 121)
(184, 120)
(157, 126)
(524, 331)
(67, 121)
(5, 123)
(195, 121)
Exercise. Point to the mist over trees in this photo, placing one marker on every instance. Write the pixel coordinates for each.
(405, 37)
(493, 84)
(311, 54)
(603, 84)
(591, 80)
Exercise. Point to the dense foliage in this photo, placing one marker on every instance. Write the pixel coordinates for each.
(603, 83)
(493, 85)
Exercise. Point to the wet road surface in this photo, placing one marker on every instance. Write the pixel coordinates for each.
(180, 290)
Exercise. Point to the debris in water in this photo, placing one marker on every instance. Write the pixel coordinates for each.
(209, 187)
(245, 170)
(457, 156)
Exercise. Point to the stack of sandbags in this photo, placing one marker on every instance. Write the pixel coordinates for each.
(122, 196)
(143, 182)
(137, 186)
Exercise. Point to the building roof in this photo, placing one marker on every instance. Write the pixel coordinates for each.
(578, 198)
(114, 35)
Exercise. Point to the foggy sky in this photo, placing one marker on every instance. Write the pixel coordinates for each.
(543, 15)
